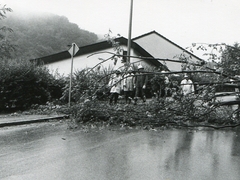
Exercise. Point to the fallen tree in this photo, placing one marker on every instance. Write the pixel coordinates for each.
(196, 110)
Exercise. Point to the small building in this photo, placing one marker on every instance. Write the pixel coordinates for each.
(154, 47)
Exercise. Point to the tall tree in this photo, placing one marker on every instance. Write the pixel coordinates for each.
(6, 48)
(231, 60)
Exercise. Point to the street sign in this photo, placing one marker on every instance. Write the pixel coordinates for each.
(74, 49)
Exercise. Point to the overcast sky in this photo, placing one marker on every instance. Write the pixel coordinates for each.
(182, 21)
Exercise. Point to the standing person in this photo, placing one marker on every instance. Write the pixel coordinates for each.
(140, 84)
(128, 86)
(164, 85)
(157, 83)
(115, 84)
(187, 86)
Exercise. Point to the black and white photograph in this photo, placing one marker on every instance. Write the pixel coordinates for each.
(119, 90)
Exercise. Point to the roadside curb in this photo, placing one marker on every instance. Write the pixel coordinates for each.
(33, 120)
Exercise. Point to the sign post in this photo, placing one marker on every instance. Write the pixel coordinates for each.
(73, 50)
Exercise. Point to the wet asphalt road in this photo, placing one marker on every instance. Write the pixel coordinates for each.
(50, 151)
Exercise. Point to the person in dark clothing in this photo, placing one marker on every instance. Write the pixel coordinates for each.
(140, 84)
(128, 85)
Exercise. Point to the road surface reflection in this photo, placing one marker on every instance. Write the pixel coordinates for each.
(48, 152)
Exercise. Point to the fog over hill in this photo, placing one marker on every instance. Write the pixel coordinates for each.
(38, 35)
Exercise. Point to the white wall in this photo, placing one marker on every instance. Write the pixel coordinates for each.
(159, 47)
(80, 62)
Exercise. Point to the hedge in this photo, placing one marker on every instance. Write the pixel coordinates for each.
(23, 84)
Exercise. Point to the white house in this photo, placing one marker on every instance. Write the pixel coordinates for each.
(151, 45)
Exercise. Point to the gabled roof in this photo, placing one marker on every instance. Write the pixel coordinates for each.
(154, 32)
(93, 48)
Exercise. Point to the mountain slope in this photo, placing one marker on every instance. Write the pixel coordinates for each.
(41, 35)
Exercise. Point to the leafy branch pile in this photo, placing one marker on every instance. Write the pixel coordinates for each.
(185, 113)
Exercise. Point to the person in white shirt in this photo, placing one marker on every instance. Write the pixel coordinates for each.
(187, 86)
(115, 85)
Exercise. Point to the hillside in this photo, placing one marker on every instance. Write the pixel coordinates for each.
(40, 35)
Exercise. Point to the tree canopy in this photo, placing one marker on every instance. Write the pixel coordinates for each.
(231, 60)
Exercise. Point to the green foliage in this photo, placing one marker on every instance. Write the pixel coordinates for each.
(23, 84)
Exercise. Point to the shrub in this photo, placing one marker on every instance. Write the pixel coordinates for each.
(23, 84)
(86, 84)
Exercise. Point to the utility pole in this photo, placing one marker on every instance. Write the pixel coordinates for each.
(130, 33)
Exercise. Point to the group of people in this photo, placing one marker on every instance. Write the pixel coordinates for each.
(134, 83)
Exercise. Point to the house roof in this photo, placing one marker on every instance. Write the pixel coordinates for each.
(88, 49)
(154, 32)
(93, 48)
